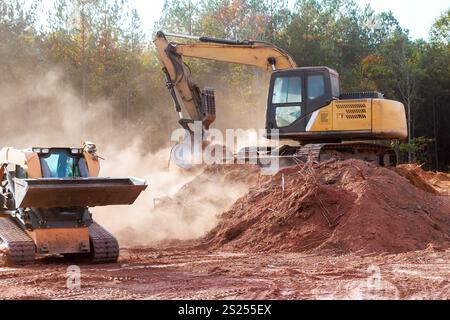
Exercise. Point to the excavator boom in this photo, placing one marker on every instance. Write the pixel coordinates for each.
(259, 54)
(186, 95)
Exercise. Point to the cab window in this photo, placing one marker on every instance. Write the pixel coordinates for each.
(316, 86)
(335, 89)
(287, 90)
(285, 116)
(287, 100)
(21, 173)
(59, 164)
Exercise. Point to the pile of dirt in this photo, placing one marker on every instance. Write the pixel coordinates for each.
(342, 206)
(434, 182)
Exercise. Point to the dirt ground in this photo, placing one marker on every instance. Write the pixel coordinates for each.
(146, 273)
(336, 230)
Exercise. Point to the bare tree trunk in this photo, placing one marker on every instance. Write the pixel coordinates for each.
(83, 53)
(409, 130)
(83, 61)
(406, 87)
(190, 17)
(436, 156)
(271, 27)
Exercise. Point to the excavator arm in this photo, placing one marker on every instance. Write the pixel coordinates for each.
(187, 96)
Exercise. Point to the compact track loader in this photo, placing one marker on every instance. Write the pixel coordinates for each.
(45, 198)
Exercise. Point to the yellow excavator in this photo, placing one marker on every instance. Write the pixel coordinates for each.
(44, 203)
(305, 104)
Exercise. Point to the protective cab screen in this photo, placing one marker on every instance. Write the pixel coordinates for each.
(61, 164)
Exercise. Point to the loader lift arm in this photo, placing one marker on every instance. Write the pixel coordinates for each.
(186, 95)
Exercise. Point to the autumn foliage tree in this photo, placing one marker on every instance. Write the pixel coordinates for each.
(100, 48)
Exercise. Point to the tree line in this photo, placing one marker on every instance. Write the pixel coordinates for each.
(103, 52)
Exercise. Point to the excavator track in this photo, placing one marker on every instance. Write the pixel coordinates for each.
(309, 152)
(104, 247)
(18, 247)
(378, 154)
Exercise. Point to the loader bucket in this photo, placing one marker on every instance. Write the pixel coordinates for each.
(78, 192)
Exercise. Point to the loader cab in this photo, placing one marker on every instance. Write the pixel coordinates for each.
(294, 94)
(62, 162)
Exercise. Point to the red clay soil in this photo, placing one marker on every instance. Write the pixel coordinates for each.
(338, 207)
(435, 182)
(286, 244)
(149, 273)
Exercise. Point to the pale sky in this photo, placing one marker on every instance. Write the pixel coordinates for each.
(415, 15)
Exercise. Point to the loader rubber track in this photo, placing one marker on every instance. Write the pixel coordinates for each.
(18, 247)
(104, 247)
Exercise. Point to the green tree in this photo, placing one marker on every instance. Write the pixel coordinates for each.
(178, 16)
(440, 32)
(20, 42)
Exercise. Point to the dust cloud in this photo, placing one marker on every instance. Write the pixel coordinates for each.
(44, 111)
(164, 211)
(238, 107)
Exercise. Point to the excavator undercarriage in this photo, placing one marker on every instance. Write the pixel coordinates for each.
(369, 152)
(271, 160)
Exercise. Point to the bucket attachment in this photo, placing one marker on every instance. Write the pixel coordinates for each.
(183, 153)
(78, 192)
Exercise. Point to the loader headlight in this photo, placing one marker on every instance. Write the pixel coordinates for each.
(45, 150)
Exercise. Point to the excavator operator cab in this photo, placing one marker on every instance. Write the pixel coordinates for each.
(294, 94)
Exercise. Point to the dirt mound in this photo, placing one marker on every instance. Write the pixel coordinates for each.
(435, 182)
(348, 206)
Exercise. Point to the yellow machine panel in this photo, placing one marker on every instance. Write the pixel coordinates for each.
(25, 159)
(92, 163)
(383, 119)
(64, 240)
(321, 120)
(352, 115)
(346, 115)
(388, 119)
